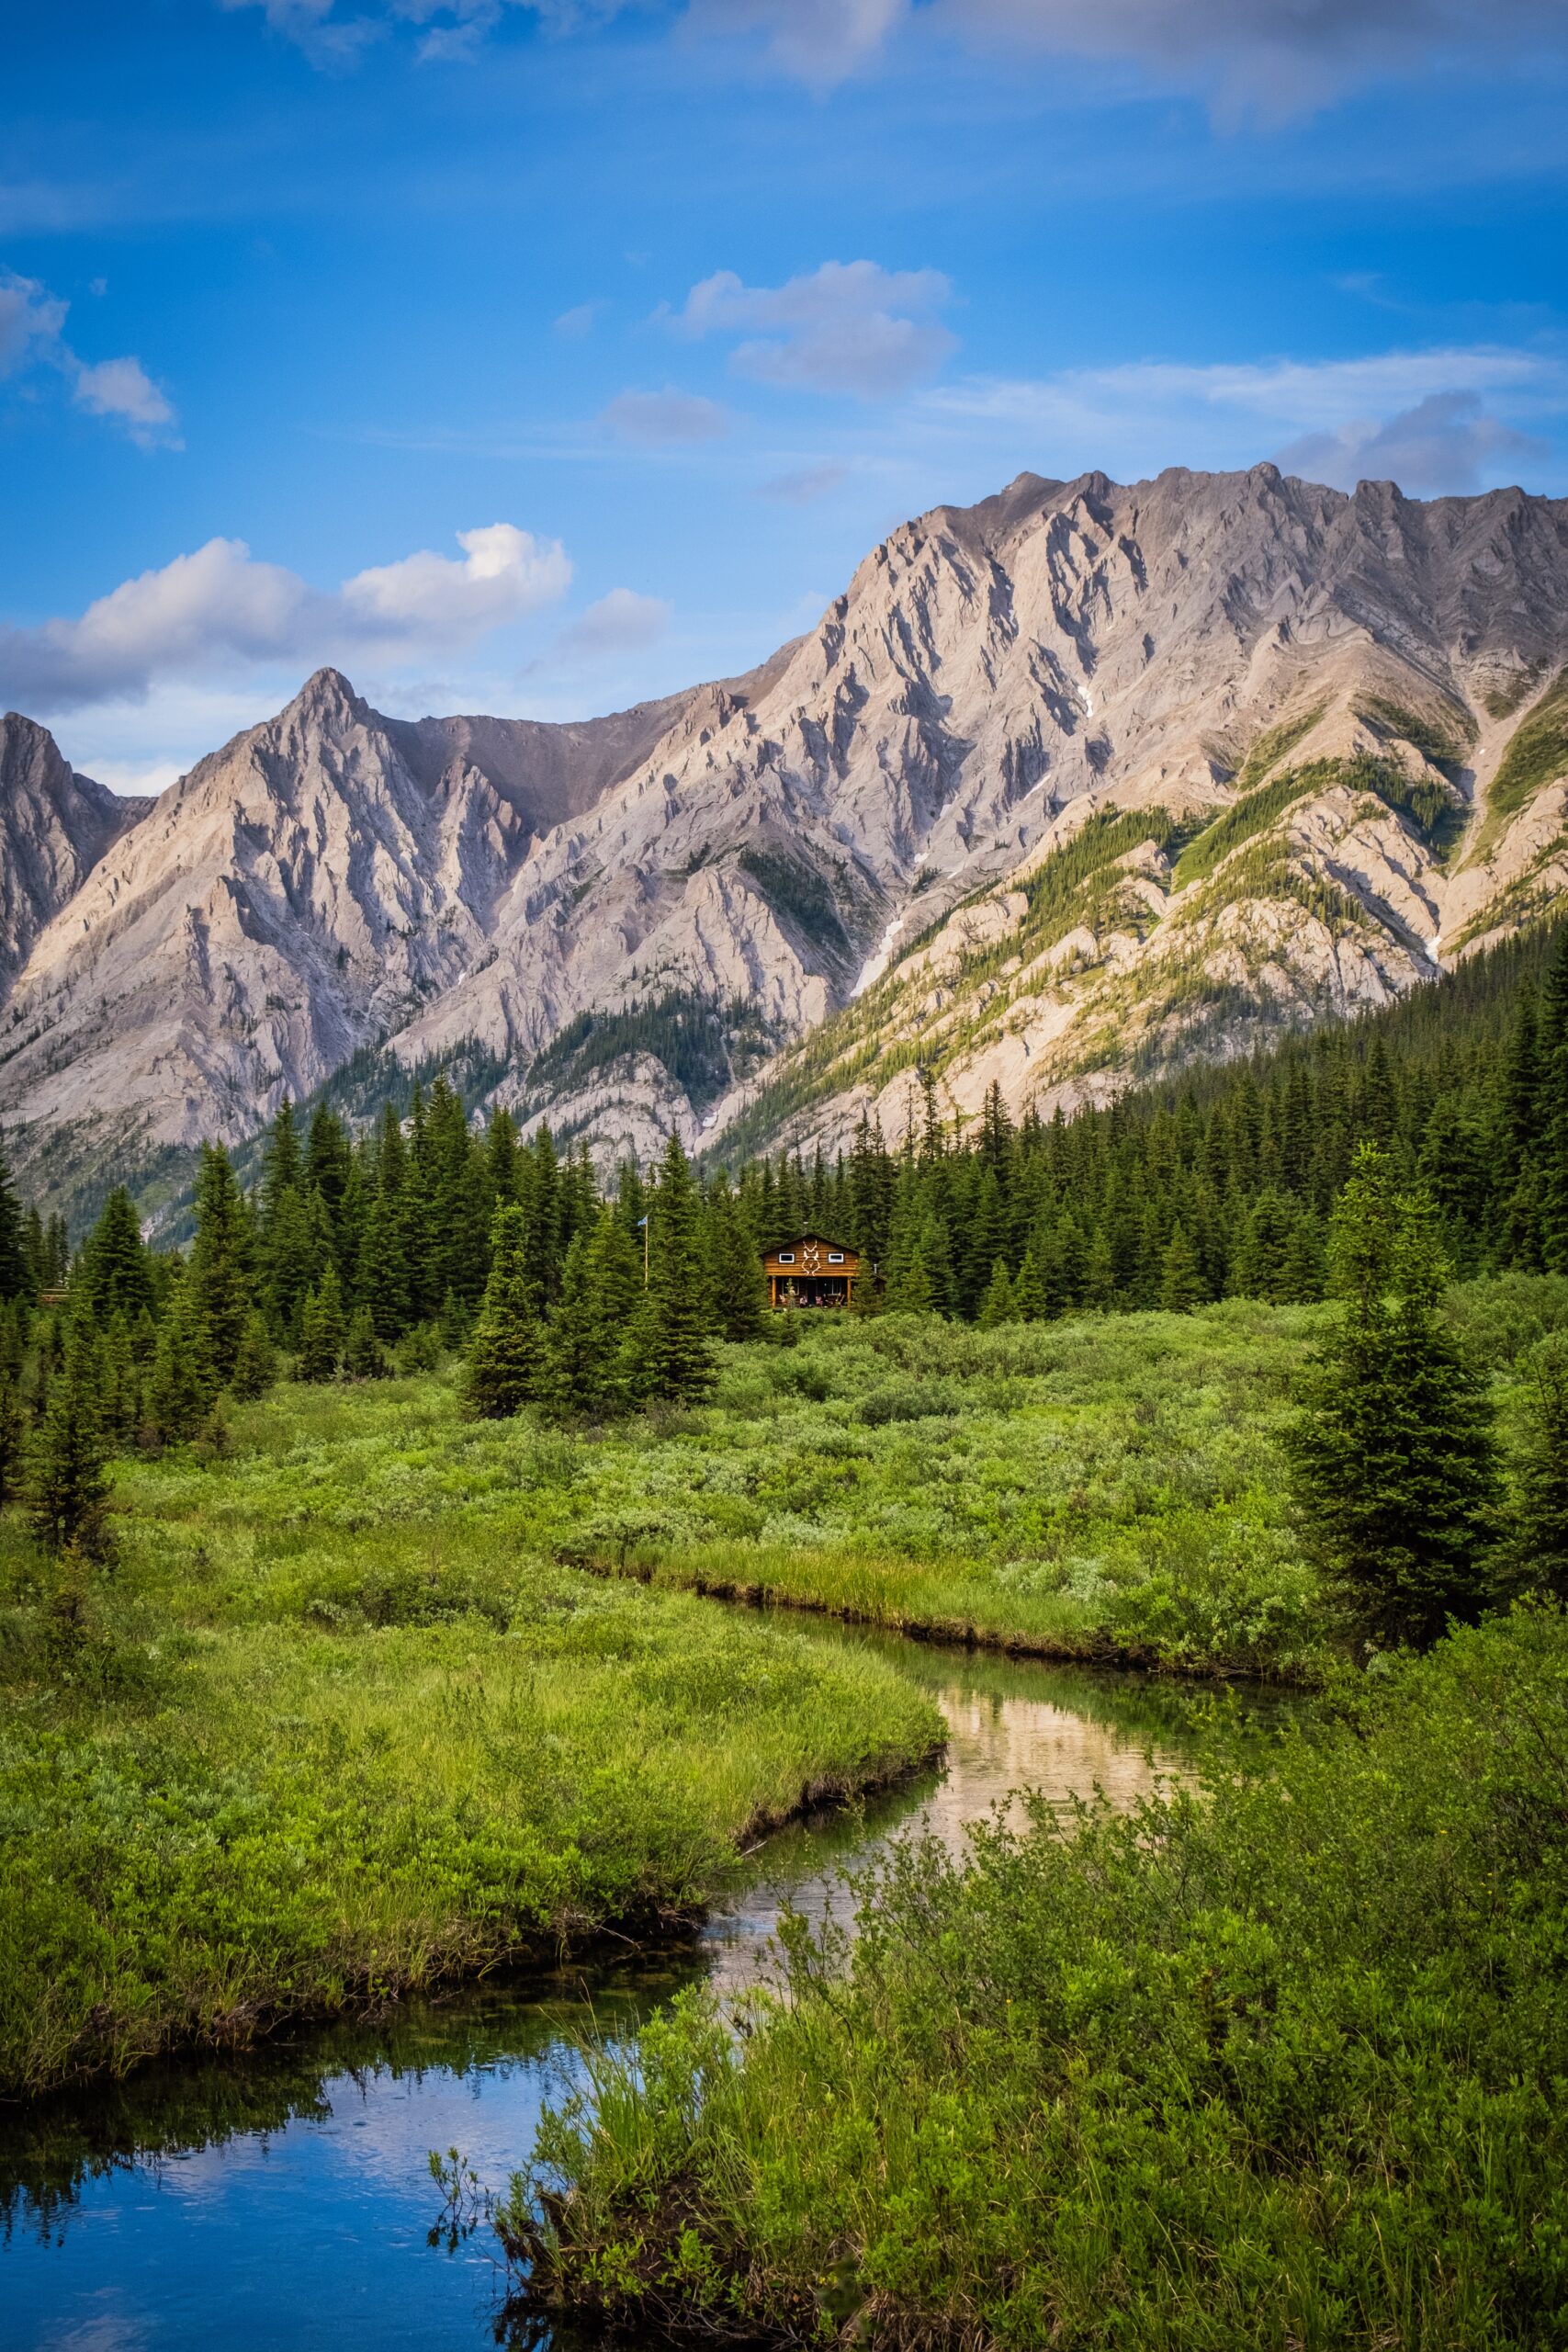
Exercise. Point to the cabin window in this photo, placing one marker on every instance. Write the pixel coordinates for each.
(786, 1256)
(835, 1257)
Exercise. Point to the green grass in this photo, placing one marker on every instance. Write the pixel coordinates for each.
(1430, 806)
(1276, 2064)
(333, 1728)
(1274, 744)
(1537, 755)
(1103, 1487)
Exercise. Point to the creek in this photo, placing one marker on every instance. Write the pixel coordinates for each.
(284, 2198)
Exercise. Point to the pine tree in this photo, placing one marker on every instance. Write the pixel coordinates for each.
(114, 1277)
(66, 1486)
(999, 1305)
(1304, 1273)
(1100, 1272)
(1180, 1276)
(296, 1237)
(121, 1397)
(18, 1277)
(321, 1331)
(909, 1289)
(1536, 1559)
(364, 1357)
(221, 1263)
(505, 1359)
(1393, 1459)
(738, 1284)
(256, 1365)
(680, 1365)
(1030, 1301)
(12, 1437)
(385, 1282)
(587, 1360)
(180, 1387)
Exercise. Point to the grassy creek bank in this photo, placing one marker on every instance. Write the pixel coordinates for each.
(1272, 2062)
(328, 1730)
(345, 1715)
(290, 2180)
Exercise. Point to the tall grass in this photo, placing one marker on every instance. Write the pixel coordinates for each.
(329, 1731)
(1274, 2064)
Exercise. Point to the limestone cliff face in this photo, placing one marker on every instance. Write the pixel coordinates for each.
(301, 894)
(991, 676)
(54, 827)
(1064, 789)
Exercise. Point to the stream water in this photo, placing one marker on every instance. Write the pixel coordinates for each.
(284, 2198)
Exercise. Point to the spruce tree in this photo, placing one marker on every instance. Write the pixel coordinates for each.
(12, 1437)
(114, 1277)
(679, 1365)
(998, 1305)
(255, 1366)
(66, 1486)
(1536, 1559)
(505, 1358)
(179, 1389)
(1393, 1459)
(590, 1365)
(18, 1278)
(1030, 1301)
(321, 1331)
(220, 1275)
(364, 1357)
(738, 1284)
(1181, 1277)
(121, 1395)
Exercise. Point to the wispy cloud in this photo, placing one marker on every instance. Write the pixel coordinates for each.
(622, 622)
(578, 321)
(1446, 444)
(805, 484)
(844, 327)
(1273, 59)
(220, 608)
(655, 419)
(32, 322)
(1452, 417)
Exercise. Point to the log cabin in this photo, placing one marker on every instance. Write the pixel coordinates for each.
(817, 1273)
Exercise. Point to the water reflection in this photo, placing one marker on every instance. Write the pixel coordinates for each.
(285, 2197)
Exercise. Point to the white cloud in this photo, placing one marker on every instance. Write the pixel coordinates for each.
(622, 622)
(122, 389)
(217, 608)
(1281, 57)
(579, 322)
(655, 418)
(845, 327)
(31, 334)
(805, 484)
(817, 42)
(30, 321)
(1445, 445)
(1454, 416)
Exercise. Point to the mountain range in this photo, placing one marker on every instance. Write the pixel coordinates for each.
(1065, 789)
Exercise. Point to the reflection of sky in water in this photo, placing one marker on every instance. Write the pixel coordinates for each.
(314, 2233)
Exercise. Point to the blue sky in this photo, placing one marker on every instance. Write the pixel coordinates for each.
(539, 357)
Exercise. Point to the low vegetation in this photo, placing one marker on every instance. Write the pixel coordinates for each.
(321, 1727)
(1274, 2062)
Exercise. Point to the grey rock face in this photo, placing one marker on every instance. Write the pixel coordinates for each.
(54, 827)
(805, 876)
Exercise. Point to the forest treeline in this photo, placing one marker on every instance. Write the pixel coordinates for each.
(427, 1233)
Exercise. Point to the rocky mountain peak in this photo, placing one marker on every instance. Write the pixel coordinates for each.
(1077, 781)
(55, 825)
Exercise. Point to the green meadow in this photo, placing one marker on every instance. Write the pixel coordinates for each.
(332, 1724)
